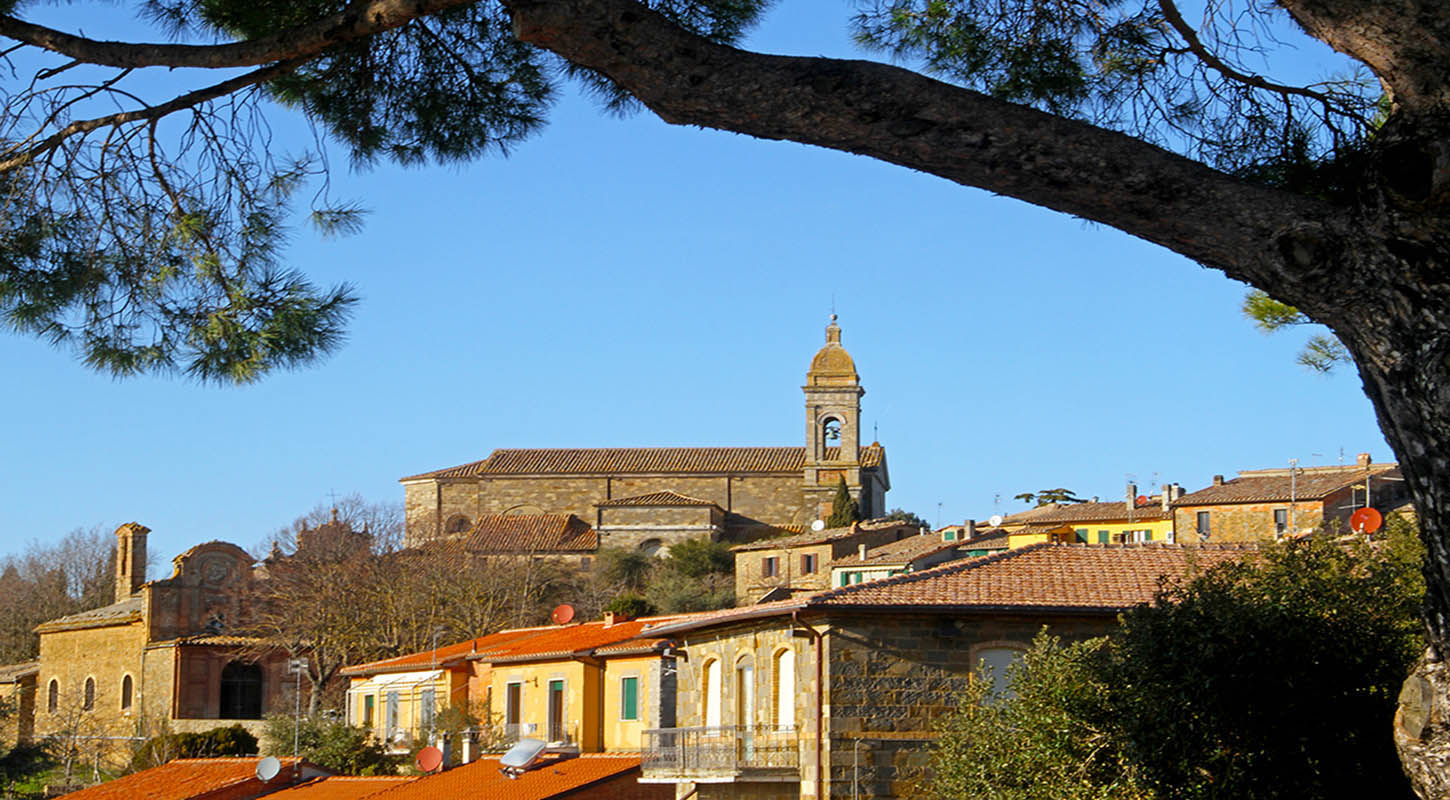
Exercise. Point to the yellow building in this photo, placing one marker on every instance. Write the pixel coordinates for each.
(1121, 522)
(590, 685)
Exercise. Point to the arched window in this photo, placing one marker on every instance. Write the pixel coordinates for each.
(89, 701)
(651, 547)
(785, 690)
(712, 691)
(126, 693)
(52, 698)
(831, 431)
(241, 691)
(457, 524)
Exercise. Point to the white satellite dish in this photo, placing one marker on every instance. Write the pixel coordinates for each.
(521, 756)
(268, 768)
(818, 525)
(995, 520)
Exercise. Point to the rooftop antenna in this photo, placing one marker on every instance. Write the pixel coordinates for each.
(1341, 456)
(875, 431)
(938, 514)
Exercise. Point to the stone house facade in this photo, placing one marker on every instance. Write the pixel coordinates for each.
(776, 568)
(17, 698)
(1266, 504)
(837, 694)
(636, 495)
(161, 655)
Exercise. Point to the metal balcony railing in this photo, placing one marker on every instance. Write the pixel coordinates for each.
(723, 752)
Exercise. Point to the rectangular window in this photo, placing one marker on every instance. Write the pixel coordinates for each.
(808, 563)
(1281, 520)
(1203, 524)
(556, 711)
(629, 698)
(768, 566)
(390, 722)
(948, 535)
(427, 701)
(1104, 537)
(1082, 534)
(512, 702)
(367, 715)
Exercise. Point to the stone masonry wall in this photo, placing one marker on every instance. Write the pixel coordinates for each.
(1243, 522)
(890, 678)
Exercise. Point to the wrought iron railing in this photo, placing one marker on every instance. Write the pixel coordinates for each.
(719, 751)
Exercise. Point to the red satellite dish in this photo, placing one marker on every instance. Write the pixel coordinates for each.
(429, 759)
(1142, 500)
(562, 614)
(1365, 520)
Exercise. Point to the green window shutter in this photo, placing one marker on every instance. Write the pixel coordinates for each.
(1148, 535)
(1082, 535)
(629, 698)
(1104, 537)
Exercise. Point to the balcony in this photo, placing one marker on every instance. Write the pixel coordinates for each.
(721, 755)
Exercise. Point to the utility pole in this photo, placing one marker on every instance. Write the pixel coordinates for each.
(296, 667)
(1293, 493)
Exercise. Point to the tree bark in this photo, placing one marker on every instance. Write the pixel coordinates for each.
(1371, 264)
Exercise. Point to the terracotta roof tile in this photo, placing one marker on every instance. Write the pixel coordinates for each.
(991, 537)
(340, 787)
(1086, 577)
(819, 537)
(443, 656)
(127, 610)
(187, 778)
(565, 640)
(1099, 512)
(1265, 486)
(666, 498)
(482, 779)
(524, 533)
(643, 460)
(900, 551)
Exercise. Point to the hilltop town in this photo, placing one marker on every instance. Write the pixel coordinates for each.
(847, 636)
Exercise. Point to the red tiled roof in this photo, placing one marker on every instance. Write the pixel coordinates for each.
(1046, 576)
(643, 460)
(899, 552)
(1086, 576)
(525, 533)
(188, 778)
(1098, 512)
(482, 779)
(666, 498)
(443, 656)
(1267, 486)
(819, 537)
(340, 787)
(565, 640)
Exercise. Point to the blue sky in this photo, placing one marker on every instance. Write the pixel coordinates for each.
(621, 282)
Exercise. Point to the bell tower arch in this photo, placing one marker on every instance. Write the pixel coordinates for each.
(833, 423)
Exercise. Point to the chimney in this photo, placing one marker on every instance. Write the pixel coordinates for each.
(1218, 480)
(1132, 497)
(969, 529)
(861, 551)
(1362, 459)
(1166, 496)
(130, 559)
(609, 619)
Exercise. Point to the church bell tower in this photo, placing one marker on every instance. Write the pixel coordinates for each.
(833, 424)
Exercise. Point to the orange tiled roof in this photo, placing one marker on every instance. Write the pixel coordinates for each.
(1099, 512)
(187, 778)
(442, 657)
(525, 533)
(643, 460)
(565, 640)
(552, 778)
(820, 537)
(665, 498)
(1267, 486)
(1043, 577)
(340, 787)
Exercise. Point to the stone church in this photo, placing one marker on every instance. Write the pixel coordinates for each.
(647, 497)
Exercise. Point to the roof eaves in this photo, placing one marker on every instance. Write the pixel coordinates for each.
(746, 613)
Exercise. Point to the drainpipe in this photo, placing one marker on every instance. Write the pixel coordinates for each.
(820, 690)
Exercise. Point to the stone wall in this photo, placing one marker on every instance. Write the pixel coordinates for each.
(1243, 522)
(105, 655)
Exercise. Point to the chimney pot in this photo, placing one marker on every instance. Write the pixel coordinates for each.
(1132, 497)
(1218, 480)
(1363, 459)
(861, 551)
(608, 619)
(969, 529)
